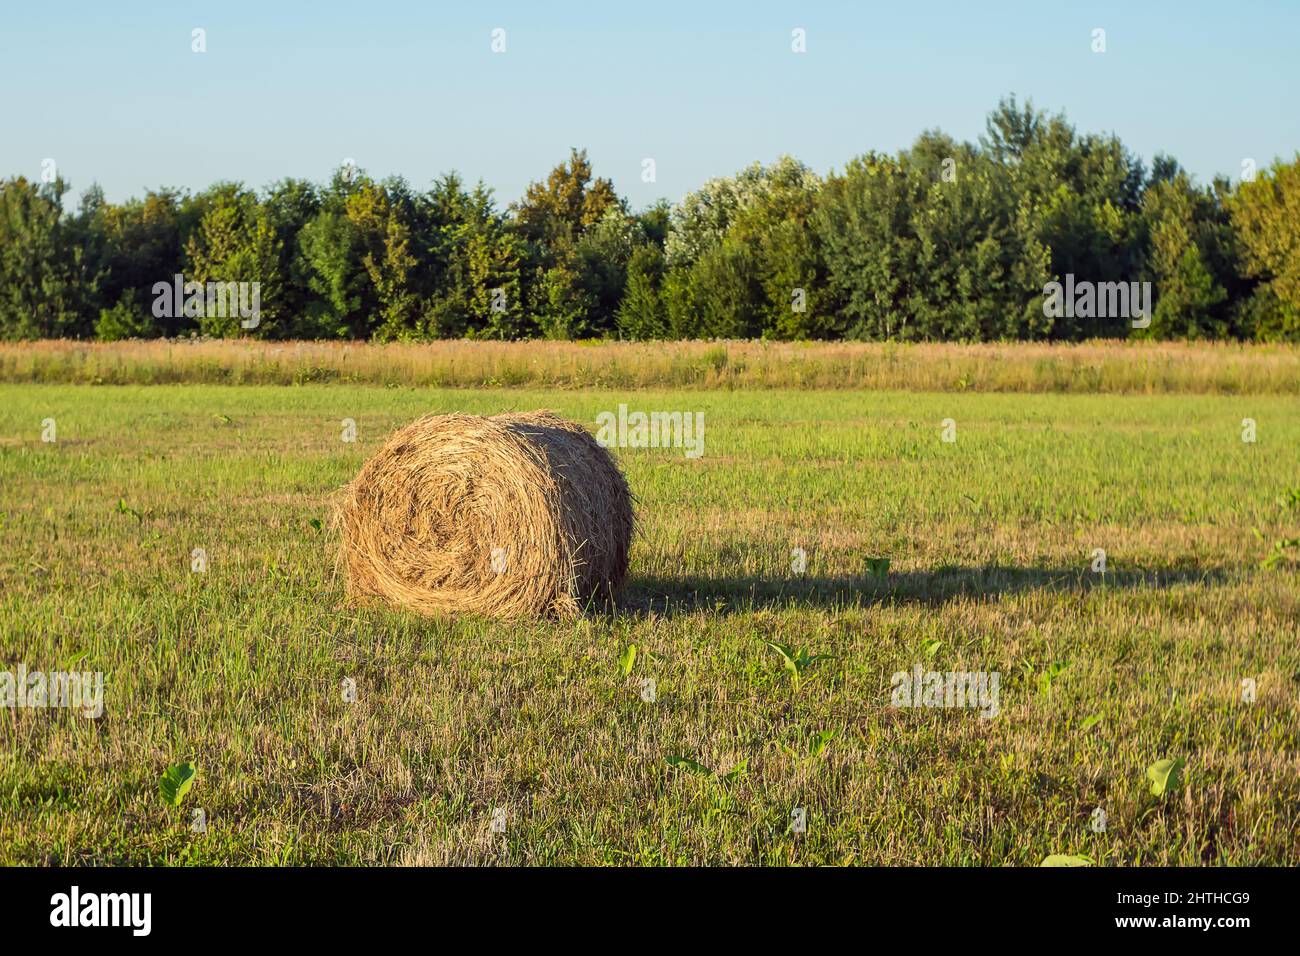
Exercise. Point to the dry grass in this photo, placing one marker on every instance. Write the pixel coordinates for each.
(1092, 367)
(519, 515)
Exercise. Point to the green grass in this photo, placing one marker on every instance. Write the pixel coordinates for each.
(989, 538)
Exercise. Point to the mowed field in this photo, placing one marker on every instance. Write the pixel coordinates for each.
(990, 540)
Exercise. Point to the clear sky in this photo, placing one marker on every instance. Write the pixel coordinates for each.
(111, 90)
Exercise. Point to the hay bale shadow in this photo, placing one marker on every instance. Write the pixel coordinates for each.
(666, 597)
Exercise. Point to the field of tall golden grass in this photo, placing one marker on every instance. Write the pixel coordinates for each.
(1091, 367)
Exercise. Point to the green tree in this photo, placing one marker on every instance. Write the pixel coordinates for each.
(572, 225)
(1082, 195)
(289, 205)
(641, 313)
(980, 269)
(235, 242)
(1189, 238)
(43, 293)
(1266, 219)
(138, 244)
(554, 214)
(726, 294)
(599, 261)
(381, 217)
(342, 299)
(477, 264)
(863, 224)
(766, 211)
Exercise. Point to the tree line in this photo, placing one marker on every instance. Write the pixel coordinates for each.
(946, 240)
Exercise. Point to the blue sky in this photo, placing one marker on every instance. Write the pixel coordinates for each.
(112, 91)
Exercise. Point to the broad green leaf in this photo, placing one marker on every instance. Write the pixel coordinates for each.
(1055, 670)
(1090, 721)
(689, 765)
(176, 782)
(788, 654)
(1164, 775)
(1060, 859)
(626, 659)
(789, 659)
(74, 660)
(819, 742)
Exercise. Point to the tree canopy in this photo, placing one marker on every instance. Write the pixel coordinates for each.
(946, 240)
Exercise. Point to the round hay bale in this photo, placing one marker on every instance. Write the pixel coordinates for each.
(516, 515)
